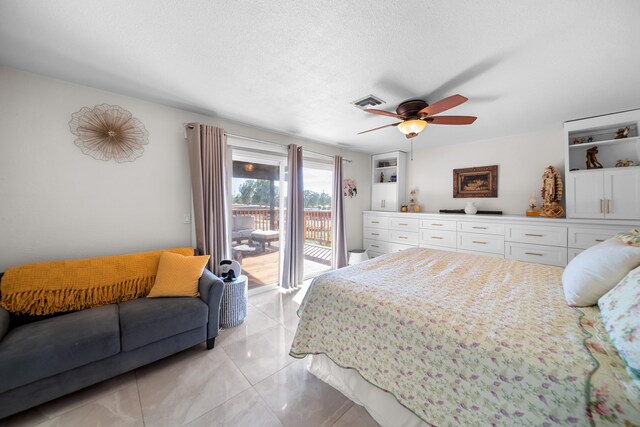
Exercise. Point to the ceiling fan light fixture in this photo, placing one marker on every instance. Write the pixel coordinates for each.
(412, 127)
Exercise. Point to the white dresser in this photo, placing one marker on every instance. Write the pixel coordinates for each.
(532, 239)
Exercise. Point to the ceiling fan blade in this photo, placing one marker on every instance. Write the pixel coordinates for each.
(451, 120)
(443, 105)
(384, 113)
(381, 127)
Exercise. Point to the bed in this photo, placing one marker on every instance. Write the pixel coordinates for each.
(426, 337)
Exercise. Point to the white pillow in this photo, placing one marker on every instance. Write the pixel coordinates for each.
(596, 270)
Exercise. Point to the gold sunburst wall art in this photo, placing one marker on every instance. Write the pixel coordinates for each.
(107, 132)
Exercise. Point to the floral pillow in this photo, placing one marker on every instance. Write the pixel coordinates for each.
(632, 237)
(620, 310)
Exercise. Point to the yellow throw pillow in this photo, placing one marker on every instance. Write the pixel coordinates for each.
(178, 275)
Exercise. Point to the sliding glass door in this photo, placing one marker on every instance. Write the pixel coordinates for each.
(317, 217)
(256, 220)
(258, 200)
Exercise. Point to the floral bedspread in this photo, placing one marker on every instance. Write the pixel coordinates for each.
(467, 339)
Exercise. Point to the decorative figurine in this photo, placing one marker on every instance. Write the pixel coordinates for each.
(590, 139)
(551, 193)
(381, 176)
(583, 140)
(532, 211)
(624, 163)
(413, 204)
(622, 133)
(576, 141)
(532, 201)
(592, 161)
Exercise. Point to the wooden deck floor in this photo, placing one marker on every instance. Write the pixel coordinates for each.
(262, 269)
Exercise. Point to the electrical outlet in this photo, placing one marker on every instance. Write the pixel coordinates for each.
(187, 219)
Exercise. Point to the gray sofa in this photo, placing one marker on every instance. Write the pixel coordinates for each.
(46, 359)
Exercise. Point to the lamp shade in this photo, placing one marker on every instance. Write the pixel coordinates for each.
(414, 127)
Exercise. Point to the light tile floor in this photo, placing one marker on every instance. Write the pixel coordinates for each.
(248, 379)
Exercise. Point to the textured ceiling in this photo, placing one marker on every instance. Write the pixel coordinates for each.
(295, 66)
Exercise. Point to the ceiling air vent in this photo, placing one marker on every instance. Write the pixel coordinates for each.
(368, 101)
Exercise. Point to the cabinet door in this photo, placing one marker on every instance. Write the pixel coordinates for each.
(585, 198)
(622, 193)
(384, 197)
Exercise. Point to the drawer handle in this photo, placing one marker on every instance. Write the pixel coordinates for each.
(608, 203)
(375, 222)
(402, 237)
(599, 240)
(375, 234)
(438, 238)
(601, 206)
(438, 225)
(479, 228)
(374, 246)
(479, 242)
(533, 253)
(534, 235)
(400, 223)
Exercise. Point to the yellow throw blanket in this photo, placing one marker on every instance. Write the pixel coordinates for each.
(59, 286)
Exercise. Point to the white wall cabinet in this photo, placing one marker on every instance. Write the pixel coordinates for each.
(605, 193)
(622, 193)
(609, 192)
(388, 181)
(537, 240)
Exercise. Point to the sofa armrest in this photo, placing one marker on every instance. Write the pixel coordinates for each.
(210, 288)
(4, 322)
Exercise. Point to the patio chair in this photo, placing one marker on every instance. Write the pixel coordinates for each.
(242, 227)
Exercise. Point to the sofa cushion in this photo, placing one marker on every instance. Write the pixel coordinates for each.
(178, 275)
(147, 320)
(49, 347)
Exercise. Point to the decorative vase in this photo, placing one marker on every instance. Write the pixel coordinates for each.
(470, 208)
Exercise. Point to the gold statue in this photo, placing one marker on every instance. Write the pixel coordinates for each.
(551, 193)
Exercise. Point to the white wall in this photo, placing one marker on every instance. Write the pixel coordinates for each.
(57, 203)
(521, 159)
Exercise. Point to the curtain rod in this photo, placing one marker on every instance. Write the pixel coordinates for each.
(260, 141)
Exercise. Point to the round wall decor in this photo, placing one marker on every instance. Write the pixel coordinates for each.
(107, 132)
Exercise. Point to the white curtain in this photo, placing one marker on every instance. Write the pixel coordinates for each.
(338, 233)
(292, 274)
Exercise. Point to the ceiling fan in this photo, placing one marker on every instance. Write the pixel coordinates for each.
(416, 114)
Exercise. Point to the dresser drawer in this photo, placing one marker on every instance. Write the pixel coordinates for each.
(481, 227)
(438, 238)
(440, 248)
(539, 235)
(375, 246)
(397, 247)
(572, 253)
(404, 237)
(481, 242)
(539, 254)
(464, 251)
(375, 221)
(409, 224)
(375, 233)
(373, 254)
(436, 224)
(584, 238)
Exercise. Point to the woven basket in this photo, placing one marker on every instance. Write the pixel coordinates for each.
(234, 303)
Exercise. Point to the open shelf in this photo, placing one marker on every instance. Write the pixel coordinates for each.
(607, 142)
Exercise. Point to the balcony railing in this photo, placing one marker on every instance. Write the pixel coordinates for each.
(317, 223)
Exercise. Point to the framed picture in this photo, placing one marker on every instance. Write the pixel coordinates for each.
(476, 182)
